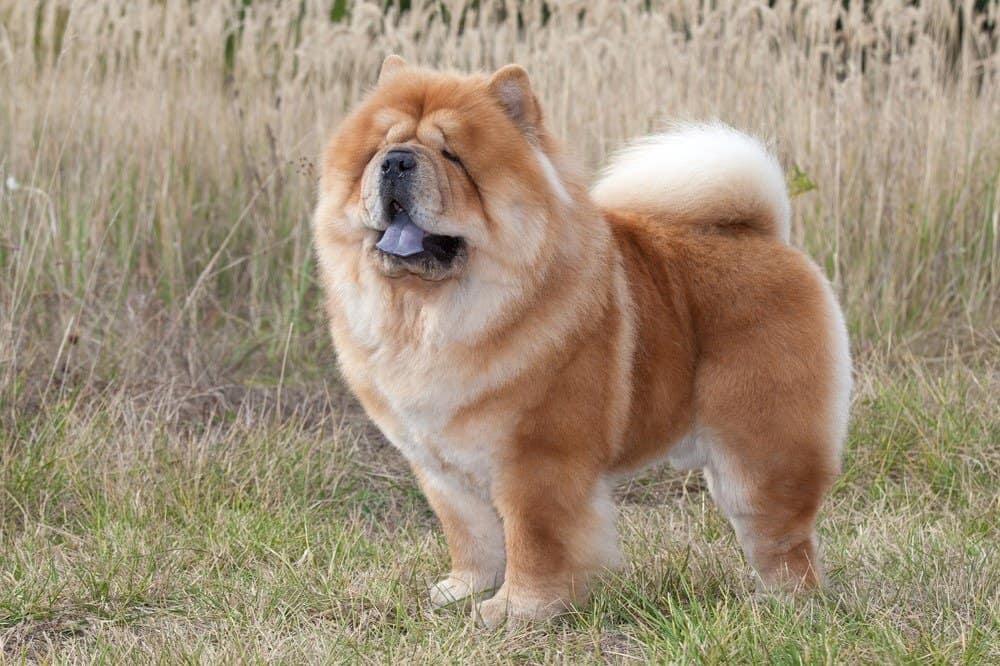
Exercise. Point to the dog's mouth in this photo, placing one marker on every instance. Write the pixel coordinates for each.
(406, 248)
(405, 239)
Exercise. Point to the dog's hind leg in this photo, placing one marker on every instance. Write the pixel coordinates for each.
(772, 453)
(771, 398)
(773, 511)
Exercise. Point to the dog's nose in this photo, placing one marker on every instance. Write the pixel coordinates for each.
(398, 161)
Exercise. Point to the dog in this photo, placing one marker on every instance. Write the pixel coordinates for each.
(525, 342)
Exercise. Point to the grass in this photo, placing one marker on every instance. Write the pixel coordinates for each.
(137, 532)
(182, 477)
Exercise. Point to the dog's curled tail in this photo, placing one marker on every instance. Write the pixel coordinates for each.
(705, 174)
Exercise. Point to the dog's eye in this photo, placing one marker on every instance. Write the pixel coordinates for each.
(451, 156)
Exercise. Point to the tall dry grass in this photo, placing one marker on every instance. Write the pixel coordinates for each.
(159, 158)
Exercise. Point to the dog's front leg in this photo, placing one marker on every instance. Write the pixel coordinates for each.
(474, 534)
(559, 529)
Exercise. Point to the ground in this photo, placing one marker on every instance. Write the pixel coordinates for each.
(216, 527)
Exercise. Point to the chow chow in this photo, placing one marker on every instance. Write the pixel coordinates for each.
(525, 341)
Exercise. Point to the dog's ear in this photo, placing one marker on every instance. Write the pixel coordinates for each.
(391, 66)
(511, 87)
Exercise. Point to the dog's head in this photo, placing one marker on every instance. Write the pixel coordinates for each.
(436, 175)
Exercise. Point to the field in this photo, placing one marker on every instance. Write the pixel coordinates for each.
(184, 478)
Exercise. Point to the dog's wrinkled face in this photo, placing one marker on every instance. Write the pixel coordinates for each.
(433, 172)
(410, 191)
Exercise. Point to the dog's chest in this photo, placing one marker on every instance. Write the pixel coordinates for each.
(430, 415)
(424, 389)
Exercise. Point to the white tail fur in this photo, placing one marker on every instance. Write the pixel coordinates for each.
(700, 174)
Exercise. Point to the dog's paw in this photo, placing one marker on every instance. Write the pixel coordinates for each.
(514, 610)
(459, 586)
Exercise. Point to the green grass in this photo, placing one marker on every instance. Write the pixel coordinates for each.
(248, 535)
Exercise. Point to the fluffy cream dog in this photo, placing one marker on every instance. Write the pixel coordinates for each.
(525, 342)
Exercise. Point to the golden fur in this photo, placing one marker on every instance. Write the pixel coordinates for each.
(571, 343)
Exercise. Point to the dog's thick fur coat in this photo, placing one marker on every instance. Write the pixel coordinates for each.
(575, 337)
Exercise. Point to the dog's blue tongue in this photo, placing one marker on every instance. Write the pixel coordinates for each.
(402, 238)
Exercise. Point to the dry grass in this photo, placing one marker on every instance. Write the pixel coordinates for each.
(180, 472)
